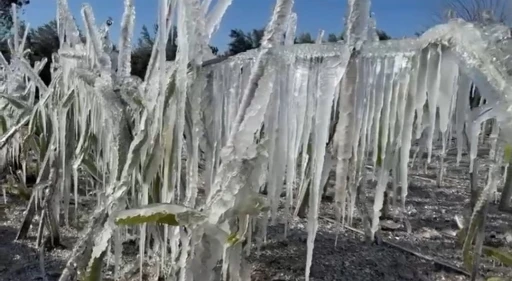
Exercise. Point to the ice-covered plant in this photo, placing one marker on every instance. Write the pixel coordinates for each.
(181, 156)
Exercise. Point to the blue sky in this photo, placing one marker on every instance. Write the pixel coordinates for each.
(397, 17)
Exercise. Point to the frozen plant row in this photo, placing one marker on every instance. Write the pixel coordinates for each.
(190, 147)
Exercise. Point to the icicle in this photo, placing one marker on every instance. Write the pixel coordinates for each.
(277, 136)
(330, 75)
(308, 125)
(408, 124)
(302, 98)
(182, 82)
(375, 74)
(387, 122)
(388, 162)
(434, 73)
(404, 79)
(342, 141)
(291, 156)
(360, 100)
(447, 87)
(382, 181)
(461, 110)
(421, 91)
(384, 82)
(320, 37)
(401, 122)
(369, 90)
(474, 131)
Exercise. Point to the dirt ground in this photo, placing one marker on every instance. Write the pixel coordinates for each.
(431, 211)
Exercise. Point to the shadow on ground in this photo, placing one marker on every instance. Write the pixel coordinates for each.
(352, 259)
(19, 260)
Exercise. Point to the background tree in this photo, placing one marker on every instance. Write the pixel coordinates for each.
(142, 51)
(333, 38)
(478, 10)
(304, 38)
(383, 35)
(215, 50)
(241, 41)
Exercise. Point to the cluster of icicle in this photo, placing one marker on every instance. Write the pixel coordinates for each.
(380, 101)
(260, 119)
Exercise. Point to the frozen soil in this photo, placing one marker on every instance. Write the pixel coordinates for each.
(431, 211)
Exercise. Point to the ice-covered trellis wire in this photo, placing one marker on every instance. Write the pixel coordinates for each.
(182, 155)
